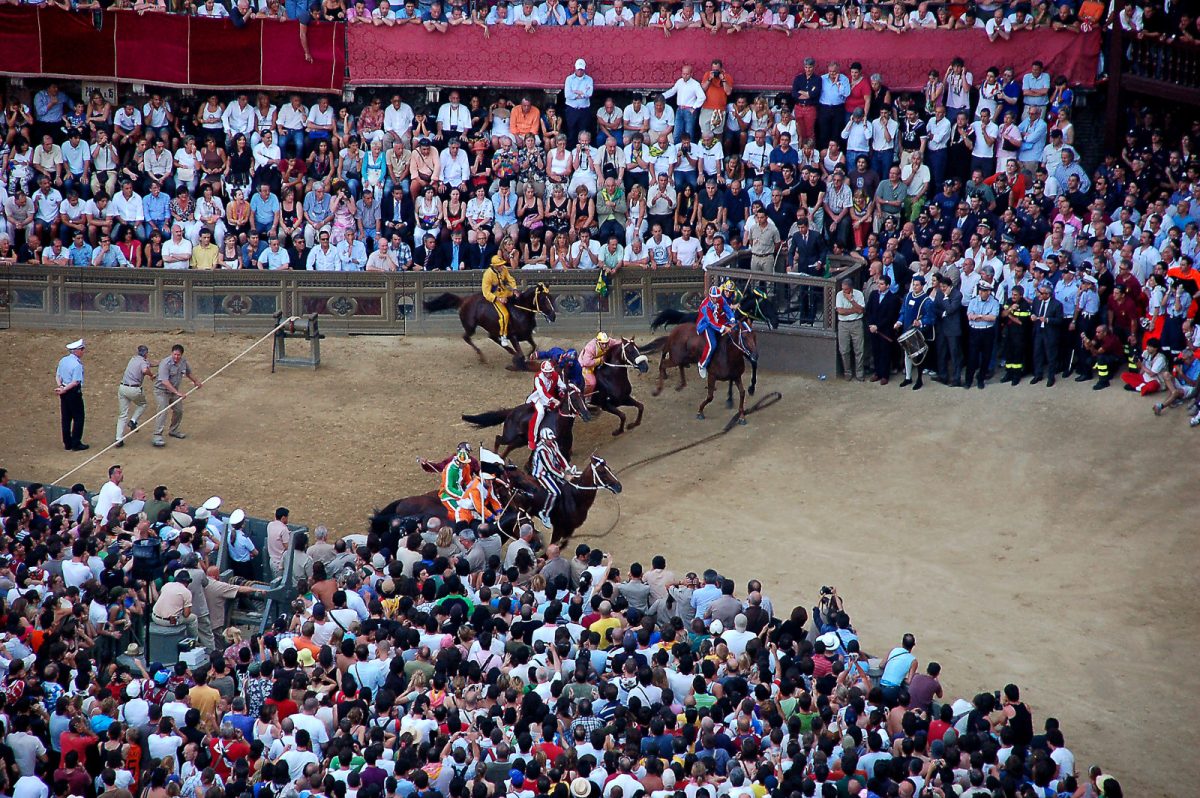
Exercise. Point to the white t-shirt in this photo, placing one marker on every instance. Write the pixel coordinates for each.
(169, 247)
(162, 745)
(30, 787)
(318, 117)
(110, 495)
(635, 119)
(315, 728)
(687, 251)
(981, 148)
(659, 251)
(590, 259)
(76, 573)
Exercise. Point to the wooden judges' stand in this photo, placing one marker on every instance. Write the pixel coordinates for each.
(302, 328)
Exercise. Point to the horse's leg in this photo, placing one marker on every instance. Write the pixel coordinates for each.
(712, 388)
(611, 407)
(467, 333)
(753, 375)
(741, 400)
(640, 408)
(682, 379)
(729, 396)
(662, 373)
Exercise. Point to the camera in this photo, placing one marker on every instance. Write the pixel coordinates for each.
(826, 590)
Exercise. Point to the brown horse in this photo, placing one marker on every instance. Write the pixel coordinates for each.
(571, 510)
(513, 491)
(516, 422)
(523, 309)
(613, 388)
(684, 346)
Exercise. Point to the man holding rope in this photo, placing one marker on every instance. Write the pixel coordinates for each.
(171, 372)
(129, 392)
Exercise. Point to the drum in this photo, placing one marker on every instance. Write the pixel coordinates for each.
(913, 344)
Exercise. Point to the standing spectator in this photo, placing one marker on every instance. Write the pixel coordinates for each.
(130, 392)
(831, 109)
(577, 93)
(850, 307)
(689, 97)
(69, 387)
(171, 371)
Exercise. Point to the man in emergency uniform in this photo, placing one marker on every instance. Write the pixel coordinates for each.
(1018, 316)
(498, 287)
(592, 356)
(550, 469)
(715, 318)
(548, 391)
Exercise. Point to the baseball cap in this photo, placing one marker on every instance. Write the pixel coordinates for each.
(580, 63)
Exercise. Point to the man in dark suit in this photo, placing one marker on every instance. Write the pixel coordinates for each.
(396, 214)
(428, 256)
(806, 255)
(948, 306)
(479, 254)
(1047, 327)
(454, 253)
(883, 308)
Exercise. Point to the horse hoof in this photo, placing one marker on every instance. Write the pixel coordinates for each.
(617, 432)
(751, 390)
(700, 416)
(680, 387)
(633, 425)
(728, 403)
(741, 422)
(655, 393)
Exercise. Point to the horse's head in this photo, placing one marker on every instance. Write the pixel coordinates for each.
(626, 353)
(576, 404)
(603, 476)
(747, 340)
(543, 302)
(757, 306)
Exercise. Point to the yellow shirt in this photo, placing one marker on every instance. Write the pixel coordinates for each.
(205, 257)
(601, 628)
(497, 284)
(205, 699)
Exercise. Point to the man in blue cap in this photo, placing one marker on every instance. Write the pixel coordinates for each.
(917, 312)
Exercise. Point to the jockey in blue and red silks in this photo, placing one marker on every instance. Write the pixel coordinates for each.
(714, 319)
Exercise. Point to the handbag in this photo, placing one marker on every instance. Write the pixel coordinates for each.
(532, 223)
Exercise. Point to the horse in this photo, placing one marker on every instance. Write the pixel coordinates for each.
(523, 309)
(571, 510)
(515, 431)
(613, 388)
(755, 305)
(413, 511)
(684, 345)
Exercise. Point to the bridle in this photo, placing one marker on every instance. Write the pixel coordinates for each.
(566, 410)
(626, 361)
(737, 340)
(596, 463)
(539, 290)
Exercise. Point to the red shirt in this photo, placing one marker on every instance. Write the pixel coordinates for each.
(859, 92)
(224, 755)
(80, 743)
(285, 708)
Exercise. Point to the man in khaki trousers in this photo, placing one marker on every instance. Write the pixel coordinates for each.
(129, 392)
(171, 372)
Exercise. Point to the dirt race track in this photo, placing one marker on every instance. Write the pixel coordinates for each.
(1031, 535)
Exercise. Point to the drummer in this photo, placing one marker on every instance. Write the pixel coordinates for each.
(917, 314)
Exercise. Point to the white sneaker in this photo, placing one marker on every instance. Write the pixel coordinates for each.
(703, 372)
(545, 519)
(504, 341)
(1194, 421)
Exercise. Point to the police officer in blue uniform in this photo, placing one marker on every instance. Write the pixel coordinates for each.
(982, 313)
(69, 387)
(1066, 291)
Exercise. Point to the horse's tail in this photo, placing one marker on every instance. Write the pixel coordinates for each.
(671, 316)
(444, 301)
(491, 418)
(651, 347)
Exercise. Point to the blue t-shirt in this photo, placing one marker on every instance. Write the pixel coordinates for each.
(7, 497)
(897, 667)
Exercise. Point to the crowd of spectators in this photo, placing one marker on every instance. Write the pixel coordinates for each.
(438, 662)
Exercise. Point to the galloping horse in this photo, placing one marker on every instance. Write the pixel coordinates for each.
(523, 308)
(754, 306)
(572, 507)
(613, 388)
(516, 422)
(684, 345)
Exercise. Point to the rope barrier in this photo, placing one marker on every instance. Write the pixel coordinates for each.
(761, 404)
(146, 423)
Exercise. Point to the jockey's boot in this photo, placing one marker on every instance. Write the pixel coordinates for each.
(703, 372)
(544, 517)
(505, 342)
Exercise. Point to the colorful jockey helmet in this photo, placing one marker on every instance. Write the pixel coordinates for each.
(602, 338)
(547, 367)
(714, 292)
(498, 262)
(570, 354)
(728, 286)
(547, 434)
(463, 455)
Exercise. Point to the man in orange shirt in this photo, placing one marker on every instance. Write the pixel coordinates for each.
(525, 119)
(718, 85)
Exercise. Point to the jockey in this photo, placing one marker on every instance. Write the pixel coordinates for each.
(498, 286)
(550, 469)
(479, 500)
(456, 476)
(591, 356)
(732, 296)
(715, 318)
(548, 392)
(567, 363)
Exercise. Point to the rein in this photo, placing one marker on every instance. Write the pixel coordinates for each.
(536, 309)
(600, 484)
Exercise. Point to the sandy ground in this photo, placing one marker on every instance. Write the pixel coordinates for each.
(1023, 534)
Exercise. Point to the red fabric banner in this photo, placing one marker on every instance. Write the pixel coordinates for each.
(645, 58)
(170, 49)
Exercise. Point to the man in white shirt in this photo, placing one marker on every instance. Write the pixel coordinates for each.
(307, 720)
(456, 167)
(685, 250)
(717, 251)
(938, 129)
(618, 15)
(319, 123)
(291, 121)
(658, 246)
(238, 118)
(177, 252)
(453, 119)
(76, 570)
(689, 96)
(324, 257)
(982, 135)
(636, 116)
(397, 122)
(585, 253)
(757, 155)
(353, 254)
(110, 494)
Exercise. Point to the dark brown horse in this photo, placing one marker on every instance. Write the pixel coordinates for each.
(684, 346)
(513, 491)
(515, 431)
(572, 508)
(523, 309)
(613, 387)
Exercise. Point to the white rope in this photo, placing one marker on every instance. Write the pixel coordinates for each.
(146, 423)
